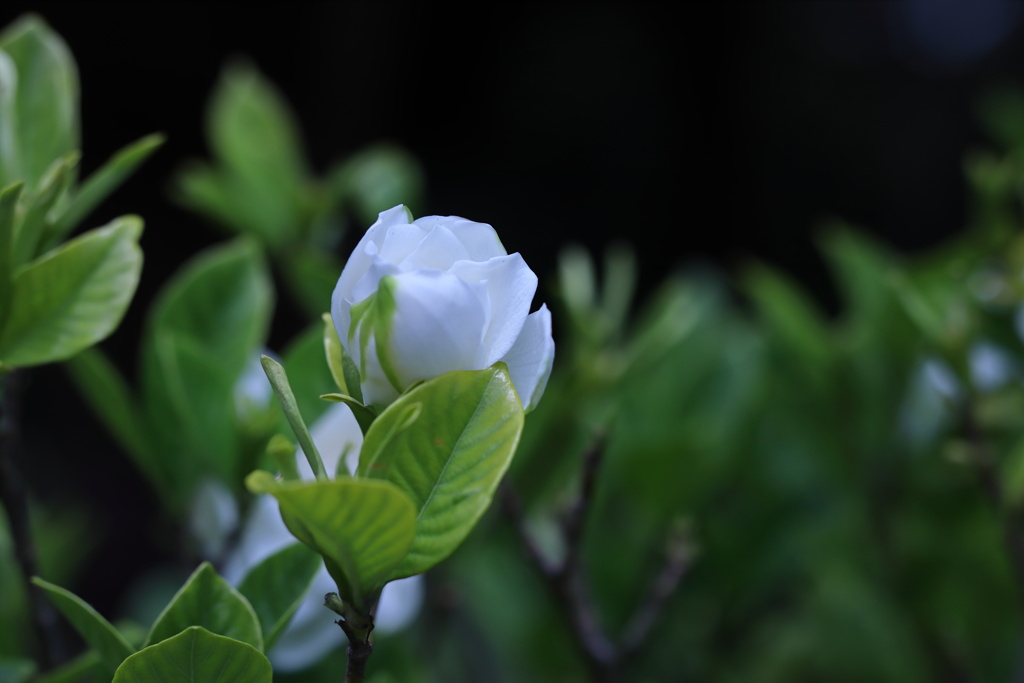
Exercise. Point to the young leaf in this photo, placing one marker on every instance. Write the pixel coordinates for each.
(45, 113)
(275, 588)
(29, 237)
(209, 601)
(362, 528)
(102, 182)
(73, 296)
(450, 460)
(197, 656)
(203, 329)
(94, 629)
(286, 397)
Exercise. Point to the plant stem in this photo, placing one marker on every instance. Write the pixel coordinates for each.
(15, 503)
(357, 628)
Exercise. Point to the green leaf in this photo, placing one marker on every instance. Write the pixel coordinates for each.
(209, 601)
(117, 406)
(42, 125)
(450, 460)
(260, 185)
(362, 528)
(104, 181)
(276, 586)
(73, 296)
(30, 236)
(204, 328)
(197, 656)
(8, 205)
(378, 178)
(96, 631)
(790, 314)
(87, 666)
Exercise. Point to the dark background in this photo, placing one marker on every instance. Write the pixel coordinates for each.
(716, 131)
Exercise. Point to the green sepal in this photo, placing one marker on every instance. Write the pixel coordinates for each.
(365, 415)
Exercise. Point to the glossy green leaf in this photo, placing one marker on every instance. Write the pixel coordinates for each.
(43, 122)
(197, 656)
(362, 528)
(103, 181)
(117, 407)
(276, 586)
(94, 629)
(209, 601)
(73, 296)
(204, 328)
(450, 460)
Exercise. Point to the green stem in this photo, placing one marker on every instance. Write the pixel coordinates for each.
(357, 628)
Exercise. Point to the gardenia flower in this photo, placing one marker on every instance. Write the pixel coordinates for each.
(421, 298)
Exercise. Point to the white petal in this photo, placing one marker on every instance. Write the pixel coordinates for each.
(439, 249)
(480, 239)
(387, 227)
(510, 288)
(530, 360)
(438, 325)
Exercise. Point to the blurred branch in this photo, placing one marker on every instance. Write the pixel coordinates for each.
(678, 557)
(15, 504)
(567, 584)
